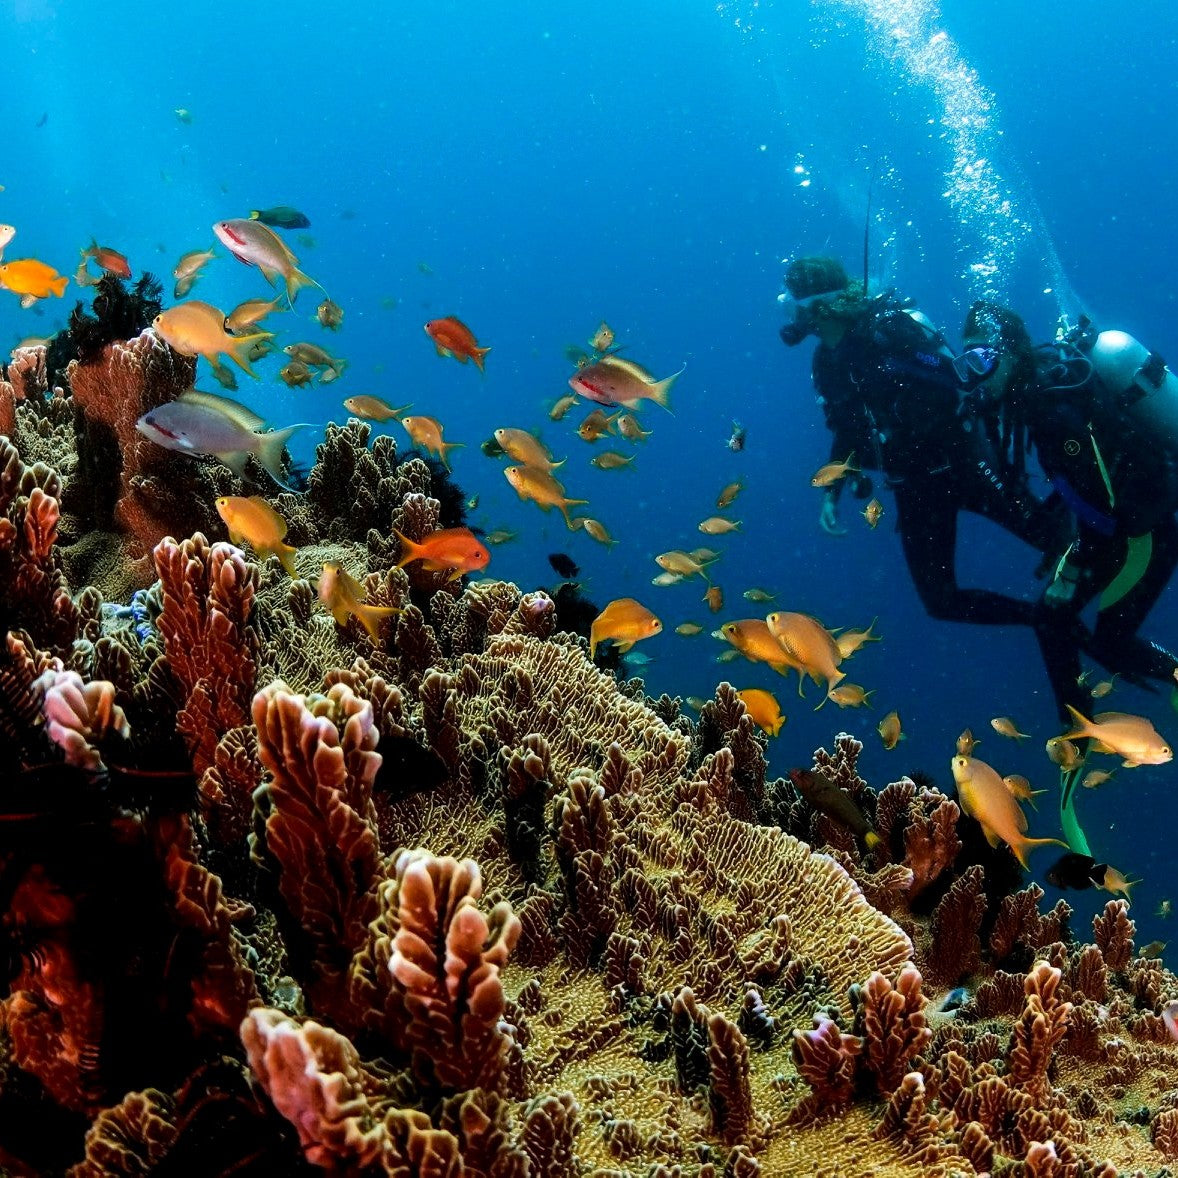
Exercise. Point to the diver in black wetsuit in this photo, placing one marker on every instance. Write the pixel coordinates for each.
(891, 392)
(1101, 413)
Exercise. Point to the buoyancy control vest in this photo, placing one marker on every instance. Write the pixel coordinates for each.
(890, 382)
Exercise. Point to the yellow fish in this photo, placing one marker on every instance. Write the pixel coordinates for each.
(848, 695)
(623, 621)
(689, 629)
(542, 489)
(1005, 726)
(373, 408)
(728, 494)
(1113, 881)
(32, 280)
(195, 328)
(603, 337)
(187, 271)
(829, 474)
(682, 564)
(1096, 777)
(596, 425)
(253, 520)
(344, 596)
(985, 797)
(1019, 787)
(753, 639)
(629, 428)
(852, 640)
(562, 406)
(597, 530)
(426, 433)
(1064, 754)
(252, 311)
(1132, 737)
(809, 646)
(1103, 688)
(966, 744)
(873, 513)
(715, 598)
(764, 709)
(526, 448)
(758, 595)
(717, 525)
(889, 730)
(611, 460)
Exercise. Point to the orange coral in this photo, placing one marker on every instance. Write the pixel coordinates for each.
(895, 1030)
(1043, 1024)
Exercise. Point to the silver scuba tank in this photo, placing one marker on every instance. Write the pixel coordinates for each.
(1145, 390)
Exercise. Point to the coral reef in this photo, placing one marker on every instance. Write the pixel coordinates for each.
(455, 901)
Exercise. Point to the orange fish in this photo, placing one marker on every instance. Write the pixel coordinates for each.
(624, 621)
(542, 489)
(32, 280)
(109, 260)
(763, 709)
(456, 550)
(453, 338)
(753, 638)
(426, 432)
(344, 596)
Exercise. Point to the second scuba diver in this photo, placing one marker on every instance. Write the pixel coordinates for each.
(1101, 413)
(891, 392)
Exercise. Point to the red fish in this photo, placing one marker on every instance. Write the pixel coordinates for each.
(453, 338)
(109, 260)
(456, 550)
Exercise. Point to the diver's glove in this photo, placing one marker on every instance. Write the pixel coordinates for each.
(828, 520)
(1062, 590)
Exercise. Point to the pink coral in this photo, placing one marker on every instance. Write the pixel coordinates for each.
(78, 713)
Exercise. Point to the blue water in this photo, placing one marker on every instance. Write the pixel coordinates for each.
(534, 169)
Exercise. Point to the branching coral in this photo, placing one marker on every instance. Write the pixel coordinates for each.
(895, 1030)
(78, 713)
(1043, 1024)
(207, 599)
(320, 824)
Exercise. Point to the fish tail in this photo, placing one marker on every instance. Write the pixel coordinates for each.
(660, 391)
(410, 551)
(1084, 726)
(777, 725)
(477, 356)
(58, 285)
(295, 281)
(593, 642)
(446, 447)
(270, 448)
(1023, 846)
(372, 615)
(565, 504)
(238, 350)
(286, 555)
(872, 840)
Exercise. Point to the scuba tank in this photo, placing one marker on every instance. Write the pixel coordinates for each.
(1137, 384)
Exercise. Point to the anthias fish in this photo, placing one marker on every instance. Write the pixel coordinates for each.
(254, 244)
(453, 338)
(192, 428)
(614, 381)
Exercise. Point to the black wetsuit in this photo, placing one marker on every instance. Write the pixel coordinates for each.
(889, 393)
(1122, 485)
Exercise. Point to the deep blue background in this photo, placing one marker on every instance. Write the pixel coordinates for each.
(553, 168)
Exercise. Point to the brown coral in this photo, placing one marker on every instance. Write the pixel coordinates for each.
(1043, 1024)
(895, 1030)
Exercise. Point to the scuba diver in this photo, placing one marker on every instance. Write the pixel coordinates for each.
(892, 395)
(1100, 412)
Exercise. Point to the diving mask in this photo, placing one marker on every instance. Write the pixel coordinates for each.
(804, 323)
(976, 365)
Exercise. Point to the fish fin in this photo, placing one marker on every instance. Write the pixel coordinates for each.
(993, 839)
(409, 550)
(286, 555)
(777, 725)
(370, 616)
(27, 301)
(564, 505)
(872, 840)
(660, 391)
(1130, 764)
(446, 447)
(269, 452)
(236, 461)
(58, 285)
(1023, 846)
(1098, 746)
(239, 347)
(477, 356)
(624, 646)
(1084, 726)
